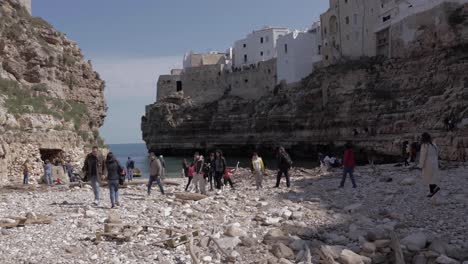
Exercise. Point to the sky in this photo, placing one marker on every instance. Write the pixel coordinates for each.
(132, 42)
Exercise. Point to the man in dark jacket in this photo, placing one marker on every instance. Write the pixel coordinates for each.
(94, 169)
(156, 171)
(130, 166)
(284, 164)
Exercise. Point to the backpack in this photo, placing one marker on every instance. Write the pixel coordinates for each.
(191, 170)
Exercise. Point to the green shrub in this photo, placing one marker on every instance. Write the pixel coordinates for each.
(42, 87)
(18, 97)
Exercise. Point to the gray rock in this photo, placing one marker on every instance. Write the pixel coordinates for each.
(248, 241)
(235, 230)
(353, 207)
(438, 246)
(228, 242)
(415, 242)
(349, 257)
(297, 215)
(442, 259)
(408, 181)
(368, 247)
(280, 250)
(420, 259)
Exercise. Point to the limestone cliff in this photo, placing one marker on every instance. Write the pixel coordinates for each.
(384, 101)
(51, 100)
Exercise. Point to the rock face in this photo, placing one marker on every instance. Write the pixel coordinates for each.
(385, 101)
(51, 100)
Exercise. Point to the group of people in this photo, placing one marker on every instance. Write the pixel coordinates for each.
(68, 169)
(215, 171)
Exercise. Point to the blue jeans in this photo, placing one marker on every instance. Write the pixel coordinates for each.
(114, 191)
(156, 179)
(349, 171)
(26, 178)
(130, 174)
(95, 185)
(48, 178)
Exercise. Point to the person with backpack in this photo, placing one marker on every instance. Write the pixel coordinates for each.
(219, 168)
(130, 166)
(258, 170)
(155, 173)
(114, 174)
(189, 170)
(284, 164)
(348, 165)
(429, 164)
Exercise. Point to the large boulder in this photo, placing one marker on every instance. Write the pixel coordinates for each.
(280, 250)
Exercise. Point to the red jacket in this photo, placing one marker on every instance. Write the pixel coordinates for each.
(348, 159)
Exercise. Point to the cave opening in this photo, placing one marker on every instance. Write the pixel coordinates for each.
(51, 154)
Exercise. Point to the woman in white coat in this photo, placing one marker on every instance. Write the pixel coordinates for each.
(429, 164)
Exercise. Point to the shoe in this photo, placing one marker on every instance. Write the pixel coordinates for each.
(117, 204)
(96, 203)
(436, 190)
(113, 207)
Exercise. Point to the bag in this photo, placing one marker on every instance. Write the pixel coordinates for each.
(191, 170)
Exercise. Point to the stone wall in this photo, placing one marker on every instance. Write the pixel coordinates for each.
(211, 82)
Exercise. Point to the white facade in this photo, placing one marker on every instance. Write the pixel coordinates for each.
(298, 52)
(258, 46)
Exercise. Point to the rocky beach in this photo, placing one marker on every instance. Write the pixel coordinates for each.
(314, 221)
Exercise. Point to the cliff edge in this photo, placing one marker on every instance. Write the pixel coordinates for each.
(377, 103)
(51, 100)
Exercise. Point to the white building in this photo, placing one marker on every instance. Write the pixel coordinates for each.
(298, 52)
(258, 46)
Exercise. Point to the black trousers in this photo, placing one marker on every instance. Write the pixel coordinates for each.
(228, 180)
(280, 175)
(218, 177)
(211, 178)
(188, 184)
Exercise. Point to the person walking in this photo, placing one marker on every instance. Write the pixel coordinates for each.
(211, 175)
(155, 173)
(26, 172)
(429, 164)
(258, 169)
(48, 172)
(348, 165)
(163, 164)
(219, 168)
(405, 153)
(69, 169)
(114, 172)
(284, 164)
(94, 169)
(130, 166)
(198, 179)
(188, 172)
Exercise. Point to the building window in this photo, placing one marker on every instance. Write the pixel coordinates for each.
(355, 19)
(261, 40)
(245, 58)
(286, 48)
(386, 18)
(246, 80)
(347, 36)
(267, 39)
(179, 86)
(245, 45)
(346, 1)
(347, 20)
(325, 31)
(319, 49)
(326, 57)
(261, 53)
(356, 35)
